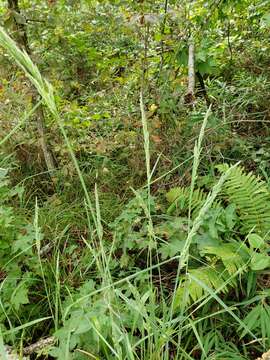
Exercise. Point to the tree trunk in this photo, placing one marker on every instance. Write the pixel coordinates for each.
(22, 40)
(19, 26)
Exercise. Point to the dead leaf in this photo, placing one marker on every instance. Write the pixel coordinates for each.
(156, 139)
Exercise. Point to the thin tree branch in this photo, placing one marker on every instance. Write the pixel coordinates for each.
(22, 40)
(189, 98)
(39, 345)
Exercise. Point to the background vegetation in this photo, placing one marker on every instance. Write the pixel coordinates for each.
(134, 208)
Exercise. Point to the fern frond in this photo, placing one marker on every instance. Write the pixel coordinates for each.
(234, 256)
(179, 199)
(252, 199)
(231, 258)
(190, 291)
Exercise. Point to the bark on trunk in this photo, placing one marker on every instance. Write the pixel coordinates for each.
(48, 157)
(22, 41)
(21, 34)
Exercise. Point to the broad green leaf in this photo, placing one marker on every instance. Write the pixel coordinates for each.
(20, 296)
(255, 241)
(230, 216)
(260, 262)
(205, 240)
(171, 248)
(266, 19)
(20, 19)
(173, 194)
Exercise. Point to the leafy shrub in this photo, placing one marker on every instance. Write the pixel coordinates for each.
(18, 262)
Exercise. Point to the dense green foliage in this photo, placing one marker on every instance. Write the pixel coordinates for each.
(135, 213)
